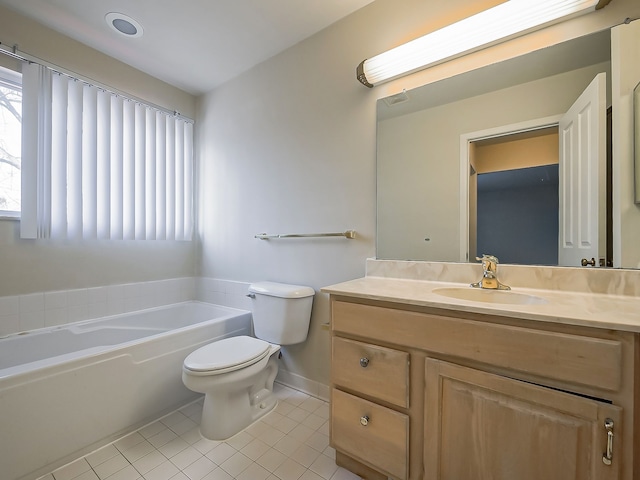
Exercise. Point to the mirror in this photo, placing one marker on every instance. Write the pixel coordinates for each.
(422, 192)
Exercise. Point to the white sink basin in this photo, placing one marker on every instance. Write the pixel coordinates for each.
(489, 296)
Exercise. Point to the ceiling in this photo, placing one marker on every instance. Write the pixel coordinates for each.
(194, 45)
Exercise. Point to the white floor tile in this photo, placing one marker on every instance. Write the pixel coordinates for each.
(200, 468)
(240, 440)
(152, 429)
(318, 441)
(254, 472)
(111, 466)
(313, 421)
(218, 474)
(305, 455)
(138, 451)
(221, 453)
(149, 462)
(289, 443)
(90, 475)
(72, 470)
(102, 455)
(255, 449)
(174, 447)
(309, 475)
(289, 470)
(324, 466)
(127, 473)
(162, 438)
(164, 471)
(271, 460)
(192, 436)
(130, 441)
(183, 427)
(343, 474)
(186, 457)
(236, 464)
(205, 445)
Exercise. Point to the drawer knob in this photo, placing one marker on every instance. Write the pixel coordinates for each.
(364, 421)
(364, 362)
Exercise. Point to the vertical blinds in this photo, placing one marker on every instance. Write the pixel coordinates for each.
(100, 166)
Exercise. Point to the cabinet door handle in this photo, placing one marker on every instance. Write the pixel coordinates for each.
(364, 420)
(364, 362)
(607, 457)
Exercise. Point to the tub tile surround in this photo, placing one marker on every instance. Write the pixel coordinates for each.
(290, 443)
(20, 313)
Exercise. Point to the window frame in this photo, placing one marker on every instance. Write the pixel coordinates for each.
(11, 79)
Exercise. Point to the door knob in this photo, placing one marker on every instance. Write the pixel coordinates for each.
(586, 262)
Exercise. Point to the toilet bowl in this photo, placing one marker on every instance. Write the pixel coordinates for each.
(236, 374)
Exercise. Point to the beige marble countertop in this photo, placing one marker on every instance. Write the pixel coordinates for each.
(616, 312)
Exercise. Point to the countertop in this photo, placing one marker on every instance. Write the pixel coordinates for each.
(615, 312)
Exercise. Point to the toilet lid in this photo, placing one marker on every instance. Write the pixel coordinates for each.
(225, 354)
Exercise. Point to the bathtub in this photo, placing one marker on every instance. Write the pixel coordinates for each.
(67, 390)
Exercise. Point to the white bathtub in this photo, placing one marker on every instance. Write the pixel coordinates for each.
(66, 390)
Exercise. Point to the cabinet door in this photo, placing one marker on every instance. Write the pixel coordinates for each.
(482, 426)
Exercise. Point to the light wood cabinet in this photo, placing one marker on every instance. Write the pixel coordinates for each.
(479, 422)
(447, 395)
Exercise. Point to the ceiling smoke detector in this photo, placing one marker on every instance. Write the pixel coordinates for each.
(124, 24)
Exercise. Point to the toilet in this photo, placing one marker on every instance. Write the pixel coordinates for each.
(236, 374)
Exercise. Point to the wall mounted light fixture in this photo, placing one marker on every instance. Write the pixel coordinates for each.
(500, 23)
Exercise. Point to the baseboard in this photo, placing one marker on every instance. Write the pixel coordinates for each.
(310, 387)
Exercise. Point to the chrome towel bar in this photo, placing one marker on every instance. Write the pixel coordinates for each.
(266, 236)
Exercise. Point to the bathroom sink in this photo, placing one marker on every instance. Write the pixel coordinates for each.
(489, 296)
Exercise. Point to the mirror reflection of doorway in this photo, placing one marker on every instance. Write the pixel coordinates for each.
(514, 197)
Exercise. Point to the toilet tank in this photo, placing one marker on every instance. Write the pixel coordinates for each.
(281, 312)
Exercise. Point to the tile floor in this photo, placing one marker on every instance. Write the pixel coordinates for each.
(289, 443)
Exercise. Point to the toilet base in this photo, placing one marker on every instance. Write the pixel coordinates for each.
(228, 411)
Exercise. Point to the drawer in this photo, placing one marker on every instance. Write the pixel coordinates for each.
(375, 371)
(375, 435)
(568, 357)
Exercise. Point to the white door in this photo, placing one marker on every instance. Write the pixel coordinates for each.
(582, 177)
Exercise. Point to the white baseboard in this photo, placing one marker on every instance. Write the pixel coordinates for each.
(310, 387)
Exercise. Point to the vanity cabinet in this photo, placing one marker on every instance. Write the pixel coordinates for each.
(427, 393)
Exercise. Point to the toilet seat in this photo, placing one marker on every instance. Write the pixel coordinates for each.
(226, 355)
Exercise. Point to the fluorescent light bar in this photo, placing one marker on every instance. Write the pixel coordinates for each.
(500, 23)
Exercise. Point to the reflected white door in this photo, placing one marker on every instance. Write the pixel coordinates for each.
(582, 177)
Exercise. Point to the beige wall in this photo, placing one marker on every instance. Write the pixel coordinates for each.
(29, 266)
(287, 146)
(291, 146)
(521, 153)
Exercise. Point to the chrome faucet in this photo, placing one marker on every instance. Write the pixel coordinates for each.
(489, 271)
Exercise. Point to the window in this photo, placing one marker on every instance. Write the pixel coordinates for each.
(97, 165)
(10, 142)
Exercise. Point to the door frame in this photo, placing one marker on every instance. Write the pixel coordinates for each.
(465, 140)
